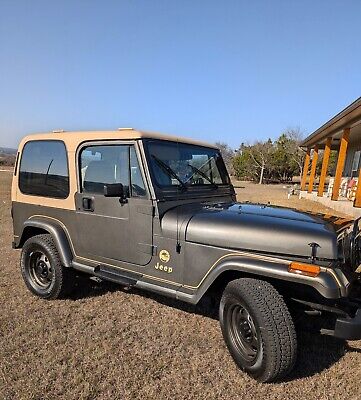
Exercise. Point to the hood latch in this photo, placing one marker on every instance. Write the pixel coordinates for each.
(314, 246)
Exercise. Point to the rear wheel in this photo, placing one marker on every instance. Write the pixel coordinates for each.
(42, 271)
(258, 329)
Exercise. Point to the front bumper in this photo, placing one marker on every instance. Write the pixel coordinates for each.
(349, 328)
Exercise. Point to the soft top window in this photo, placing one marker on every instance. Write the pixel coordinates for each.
(44, 169)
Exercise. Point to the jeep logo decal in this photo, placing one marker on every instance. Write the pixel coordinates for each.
(163, 268)
(164, 256)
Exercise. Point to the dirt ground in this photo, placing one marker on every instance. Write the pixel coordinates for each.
(108, 343)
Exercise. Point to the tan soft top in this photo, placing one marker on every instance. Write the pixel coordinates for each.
(73, 139)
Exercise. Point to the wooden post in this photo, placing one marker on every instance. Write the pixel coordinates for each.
(357, 202)
(305, 169)
(340, 163)
(313, 168)
(326, 157)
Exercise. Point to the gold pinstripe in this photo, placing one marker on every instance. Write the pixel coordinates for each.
(256, 256)
(95, 261)
(273, 260)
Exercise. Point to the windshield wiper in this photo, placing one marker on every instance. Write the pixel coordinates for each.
(169, 170)
(202, 174)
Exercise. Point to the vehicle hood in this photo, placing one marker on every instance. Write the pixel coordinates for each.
(255, 227)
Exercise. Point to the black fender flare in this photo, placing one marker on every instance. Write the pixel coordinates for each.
(325, 283)
(58, 234)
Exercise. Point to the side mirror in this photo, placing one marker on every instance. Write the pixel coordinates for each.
(114, 190)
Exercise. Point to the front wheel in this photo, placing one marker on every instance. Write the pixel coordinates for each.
(258, 329)
(42, 271)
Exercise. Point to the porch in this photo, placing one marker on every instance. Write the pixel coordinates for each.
(341, 191)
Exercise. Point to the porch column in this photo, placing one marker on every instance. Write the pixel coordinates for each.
(340, 163)
(305, 169)
(313, 168)
(326, 157)
(357, 202)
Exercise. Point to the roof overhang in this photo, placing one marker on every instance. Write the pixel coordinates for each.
(347, 118)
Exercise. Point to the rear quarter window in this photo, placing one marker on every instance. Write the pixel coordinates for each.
(44, 169)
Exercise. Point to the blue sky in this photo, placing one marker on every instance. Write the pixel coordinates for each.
(231, 71)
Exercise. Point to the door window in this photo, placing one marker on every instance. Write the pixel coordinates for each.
(138, 187)
(101, 165)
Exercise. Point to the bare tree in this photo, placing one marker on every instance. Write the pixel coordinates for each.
(261, 154)
(228, 154)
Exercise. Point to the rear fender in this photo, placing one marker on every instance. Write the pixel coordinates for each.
(56, 231)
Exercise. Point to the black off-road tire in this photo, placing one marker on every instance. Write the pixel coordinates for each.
(39, 254)
(270, 353)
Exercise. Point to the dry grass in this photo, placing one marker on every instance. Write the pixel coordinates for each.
(107, 343)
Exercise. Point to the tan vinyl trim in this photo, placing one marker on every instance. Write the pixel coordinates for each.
(73, 139)
(66, 204)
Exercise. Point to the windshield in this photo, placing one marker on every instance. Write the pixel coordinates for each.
(185, 165)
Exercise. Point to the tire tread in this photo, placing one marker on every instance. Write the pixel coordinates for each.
(270, 308)
(64, 276)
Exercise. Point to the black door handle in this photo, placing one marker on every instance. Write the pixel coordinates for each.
(88, 204)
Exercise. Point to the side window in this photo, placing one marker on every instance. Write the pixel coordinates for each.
(138, 187)
(44, 169)
(100, 165)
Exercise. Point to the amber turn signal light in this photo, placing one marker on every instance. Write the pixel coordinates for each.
(304, 269)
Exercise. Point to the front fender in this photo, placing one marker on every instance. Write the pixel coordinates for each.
(326, 283)
(58, 234)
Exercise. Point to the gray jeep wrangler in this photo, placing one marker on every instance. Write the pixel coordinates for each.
(159, 213)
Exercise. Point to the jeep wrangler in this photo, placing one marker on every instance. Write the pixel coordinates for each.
(159, 213)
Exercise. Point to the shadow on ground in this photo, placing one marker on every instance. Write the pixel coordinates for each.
(316, 352)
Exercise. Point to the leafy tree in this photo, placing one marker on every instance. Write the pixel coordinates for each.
(297, 156)
(332, 162)
(282, 162)
(270, 161)
(254, 162)
(242, 164)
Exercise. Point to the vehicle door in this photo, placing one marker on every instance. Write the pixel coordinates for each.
(113, 228)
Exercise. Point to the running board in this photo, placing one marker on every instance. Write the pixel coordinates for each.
(113, 275)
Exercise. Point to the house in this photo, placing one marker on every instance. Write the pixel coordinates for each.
(342, 133)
